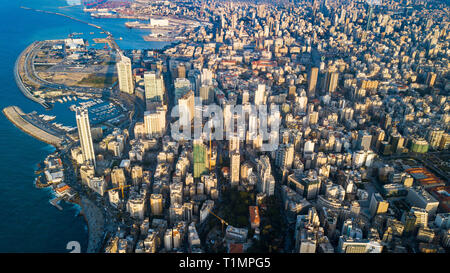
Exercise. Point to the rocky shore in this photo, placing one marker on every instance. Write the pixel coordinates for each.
(95, 221)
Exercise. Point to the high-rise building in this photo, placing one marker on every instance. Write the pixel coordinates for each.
(206, 77)
(435, 136)
(307, 186)
(136, 206)
(136, 174)
(260, 95)
(234, 143)
(421, 216)
(397, 142)
(285, 156)
(431, 78)
(378, 205)
(176, 236)
(118, 177)
(154, 86)
(292, 92)
(84, 133)
(387, 121)
(332, 81)
(182, 86)
(156, 204)
(266, 181)
(186, 105)
(155, 122)
(206, 93)
(308, 148)
(125, 76)
(364, 140)
(200, 157)
(235, 161)
(312, 81)
(168, 242)
(181, 70)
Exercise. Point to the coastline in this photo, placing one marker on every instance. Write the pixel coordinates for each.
(92, 214)
(94, 219)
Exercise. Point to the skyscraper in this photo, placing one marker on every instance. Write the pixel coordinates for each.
(155, 122)
(235, 160)
(312, 81)
(84, 133)
(332, 81)
(186, 105)
(266, 182)
(260, 95)
(154, 86)
(200, 157)
(126, 83)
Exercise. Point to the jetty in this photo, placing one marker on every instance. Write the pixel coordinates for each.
(110, 39)
(55, 202)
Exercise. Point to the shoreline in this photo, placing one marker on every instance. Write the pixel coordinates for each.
(93, 215)
(94, 219)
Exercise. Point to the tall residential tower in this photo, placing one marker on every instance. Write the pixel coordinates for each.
(126, 83)
(84, 133)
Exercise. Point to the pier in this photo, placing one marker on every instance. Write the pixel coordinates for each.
(55, 202)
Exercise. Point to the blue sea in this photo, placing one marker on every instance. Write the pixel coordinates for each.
(29, 223)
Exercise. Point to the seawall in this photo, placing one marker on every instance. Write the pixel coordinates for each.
(14, 114)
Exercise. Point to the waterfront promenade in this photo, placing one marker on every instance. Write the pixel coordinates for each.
(25, 90)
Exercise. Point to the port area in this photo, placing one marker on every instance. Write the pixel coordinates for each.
(167, 29)
(35, 126)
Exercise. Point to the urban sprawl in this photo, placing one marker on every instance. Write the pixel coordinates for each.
(357, 102)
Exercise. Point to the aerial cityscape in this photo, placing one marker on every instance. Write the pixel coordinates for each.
(217, 126)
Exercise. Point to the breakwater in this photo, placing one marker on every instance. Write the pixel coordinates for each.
(15, 115)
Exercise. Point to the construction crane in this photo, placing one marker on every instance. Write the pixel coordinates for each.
(210, 151)
(121, 187)
(221, 220)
